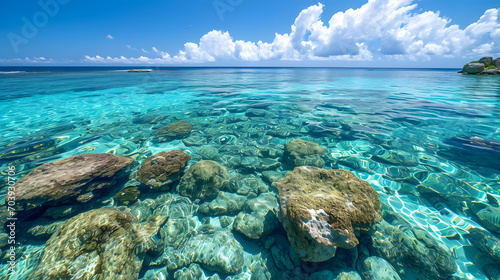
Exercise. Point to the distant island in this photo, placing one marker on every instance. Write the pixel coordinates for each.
(484, 66)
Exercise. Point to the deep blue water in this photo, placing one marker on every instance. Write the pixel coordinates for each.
(384, 125)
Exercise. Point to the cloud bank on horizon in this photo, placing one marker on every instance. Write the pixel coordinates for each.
(388, 28)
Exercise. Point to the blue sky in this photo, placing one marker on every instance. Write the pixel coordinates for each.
(393, 33)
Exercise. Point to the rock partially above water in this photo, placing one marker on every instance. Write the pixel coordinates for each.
(203, 180)
(485, 66)
(162, 169)
(69, 180)
(300, 152)
(473, 68)
(321, 209)
(175, 130)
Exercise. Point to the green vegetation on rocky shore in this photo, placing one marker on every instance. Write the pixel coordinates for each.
(484, 66)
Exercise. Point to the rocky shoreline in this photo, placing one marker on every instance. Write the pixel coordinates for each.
(484, 66)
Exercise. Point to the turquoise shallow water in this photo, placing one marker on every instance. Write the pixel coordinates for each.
(409, 133)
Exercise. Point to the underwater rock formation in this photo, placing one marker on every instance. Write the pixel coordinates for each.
(485, 242)
(353, 275)
(321, 209)
(71, 180)
(375, 268)
(412, 249)
(300, 152)
(98, 244)
(175, 130)
(487, 214)
(217, 251)
(258, 217)
(162, 169)
(127, 196)
(203, 180)
(224, 204)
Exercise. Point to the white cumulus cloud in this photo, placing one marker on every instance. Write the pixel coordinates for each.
(379, 28)
(109, 36)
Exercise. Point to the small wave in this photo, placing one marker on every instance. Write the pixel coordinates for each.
(11, 72)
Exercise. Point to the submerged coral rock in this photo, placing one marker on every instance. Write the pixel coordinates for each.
(258, 217)
(321, 209)
(487, 214)
(203, 180)
(215, 251)
(175, 130)
(300, 152)
(98, 244)
(224, 204)
(352, 275)
(415, 250)
(195, 140)
(485, 242)
(127, 196)
(375, 268)
(67, 180)
(162, 169)
(193, 272)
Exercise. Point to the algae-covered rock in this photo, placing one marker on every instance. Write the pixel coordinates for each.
(98, 244)
(45, 230)
(224, 204)
(127, 196)
(375, 268)
(175, 130)
(321, 209)
(258, 217)
(69, 181)
(203, 180)
(162, 169)
(300, 152)
(415, 250)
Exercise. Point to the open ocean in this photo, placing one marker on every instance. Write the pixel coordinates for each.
(427, 140)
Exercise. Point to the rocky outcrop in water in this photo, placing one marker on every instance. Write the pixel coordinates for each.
(321, 210)
(484, 66)
(162, 169)
(72, 180)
